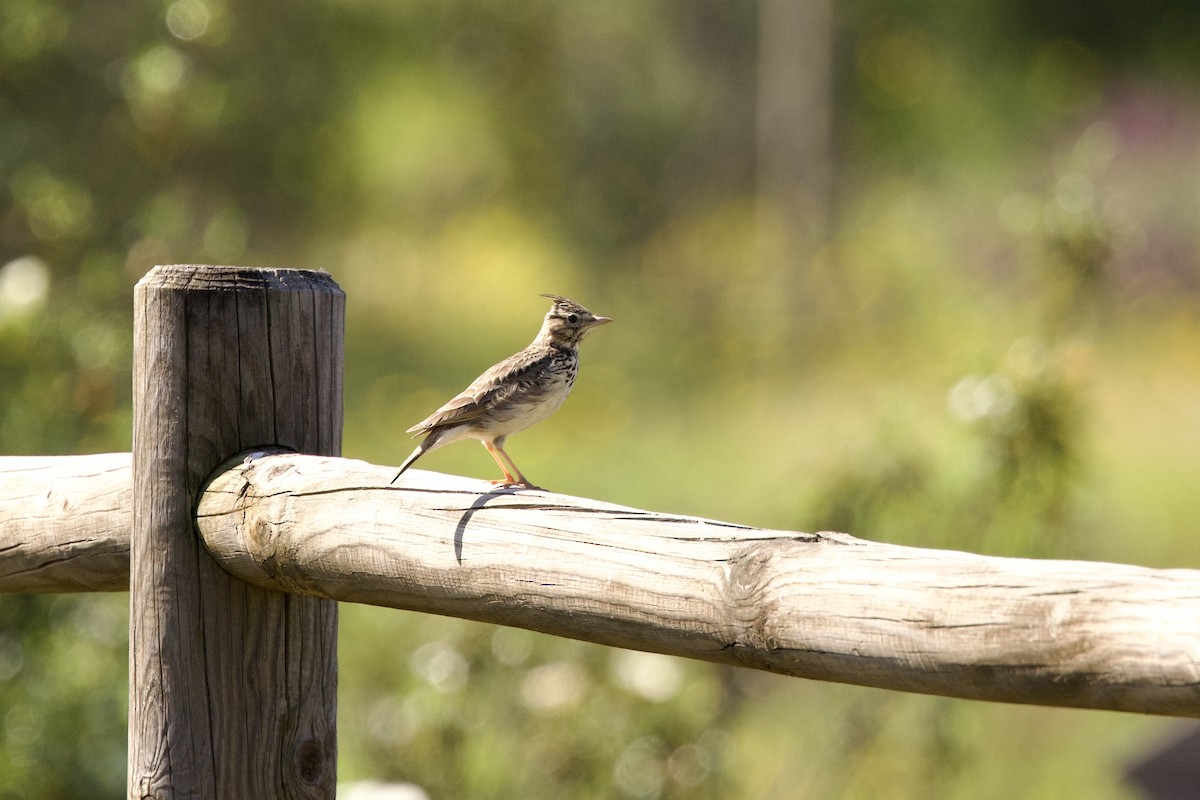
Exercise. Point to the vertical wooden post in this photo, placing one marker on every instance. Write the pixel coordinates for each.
(232, 688)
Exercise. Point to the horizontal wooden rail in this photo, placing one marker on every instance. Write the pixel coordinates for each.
(65, 522)
(825, 606)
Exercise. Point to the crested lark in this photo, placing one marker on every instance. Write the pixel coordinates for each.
(520, 391)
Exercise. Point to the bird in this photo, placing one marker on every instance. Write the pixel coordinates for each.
(515, 394)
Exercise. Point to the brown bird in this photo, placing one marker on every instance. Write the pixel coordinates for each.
(520, 391)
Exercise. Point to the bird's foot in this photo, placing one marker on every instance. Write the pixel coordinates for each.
(507, 484)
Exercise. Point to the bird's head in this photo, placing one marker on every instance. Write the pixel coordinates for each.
(567, 322)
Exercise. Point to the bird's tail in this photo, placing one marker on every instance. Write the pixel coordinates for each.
(408, 462)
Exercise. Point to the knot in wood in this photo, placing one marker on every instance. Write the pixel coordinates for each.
(748, 576)
(310, 761)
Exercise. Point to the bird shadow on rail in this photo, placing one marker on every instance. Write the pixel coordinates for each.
(479, 503)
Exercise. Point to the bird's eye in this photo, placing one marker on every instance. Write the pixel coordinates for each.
(572, 318)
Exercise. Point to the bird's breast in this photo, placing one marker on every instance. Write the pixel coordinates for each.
(536, 398)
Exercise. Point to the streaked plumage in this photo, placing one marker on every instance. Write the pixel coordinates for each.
(520, 391)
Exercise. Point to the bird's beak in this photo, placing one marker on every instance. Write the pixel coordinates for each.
(600, 321)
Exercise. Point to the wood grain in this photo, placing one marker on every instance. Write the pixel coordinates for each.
(824, 606)
(232, 687)
(64, 523)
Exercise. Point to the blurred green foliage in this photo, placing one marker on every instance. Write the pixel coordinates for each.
(993, 347)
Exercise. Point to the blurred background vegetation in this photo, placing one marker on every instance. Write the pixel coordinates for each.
(921, 271)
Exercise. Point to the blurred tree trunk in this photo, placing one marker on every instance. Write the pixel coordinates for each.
(795, 150)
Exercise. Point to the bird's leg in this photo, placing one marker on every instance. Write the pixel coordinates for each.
(522, 480)
(509, 480)
(505, 461)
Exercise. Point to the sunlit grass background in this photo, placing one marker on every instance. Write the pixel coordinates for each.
(982, 334)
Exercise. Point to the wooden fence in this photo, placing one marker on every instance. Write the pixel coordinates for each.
(236, 528)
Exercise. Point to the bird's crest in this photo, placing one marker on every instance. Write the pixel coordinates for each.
(565, 305)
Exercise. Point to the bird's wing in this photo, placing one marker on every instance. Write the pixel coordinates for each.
(462, 408)
(512, 375)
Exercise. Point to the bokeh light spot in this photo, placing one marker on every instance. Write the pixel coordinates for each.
(553, 687)
(54, 208)
(511, 646)
(651, 676)
(30, 29)
(1074, 193)
(225, 236)
(639, 769)
(441, 666)
(188, 19)
(95, 346)
(24, 284)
